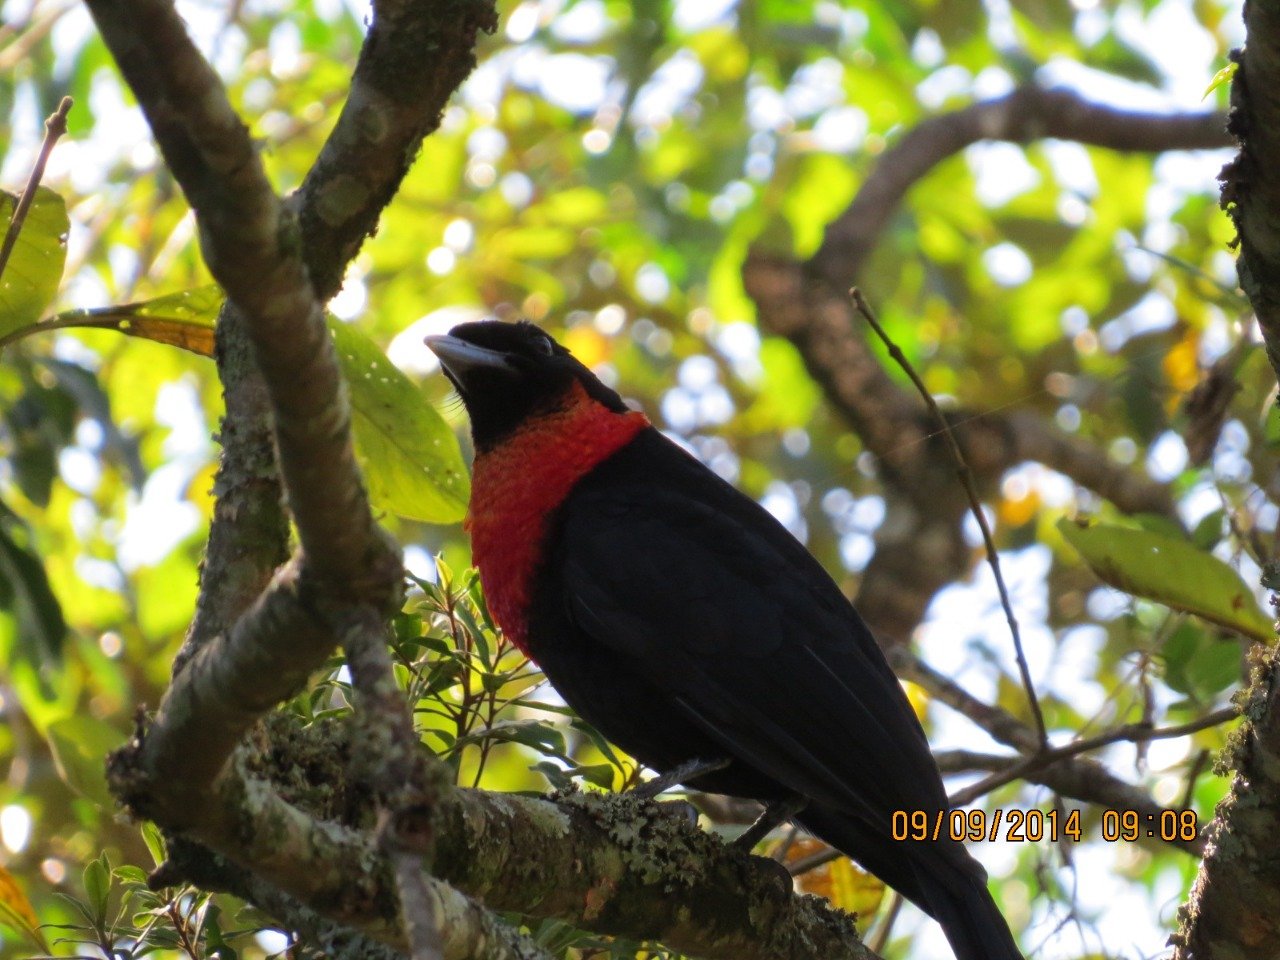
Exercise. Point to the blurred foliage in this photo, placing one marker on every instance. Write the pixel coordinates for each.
(604, 172)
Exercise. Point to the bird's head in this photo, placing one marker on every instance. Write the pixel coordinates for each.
(507, 373)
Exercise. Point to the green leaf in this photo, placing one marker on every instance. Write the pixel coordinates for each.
(1224, 75)
(25, 591)
(31, 276)
(410, 456)
(542, 737)
(1171, 572)
(1209, 530)
(97, 885)
(155, 842)
(16, 910)
(131, 875)
(600, 774)
(80, 745)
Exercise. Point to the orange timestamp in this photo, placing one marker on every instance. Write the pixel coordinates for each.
(1032, 826)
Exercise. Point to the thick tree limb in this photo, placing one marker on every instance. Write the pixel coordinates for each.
(610, 863)
(1231, 911)
(253, 250)
(470, 932)
(396, 99)
(1251, 182)
(1026, 114)
(228, 684)
(249, 533)
(409, 67)
(347, 574)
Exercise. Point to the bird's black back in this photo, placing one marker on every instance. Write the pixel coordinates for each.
(670, 604)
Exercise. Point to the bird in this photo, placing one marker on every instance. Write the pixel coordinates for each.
(678, 617)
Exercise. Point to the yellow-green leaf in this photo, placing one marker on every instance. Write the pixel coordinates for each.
(183, 320)
(17, 912)
(409, 455)
(80, 745)
(1222, 76)
(1171, 572)
(31, 276)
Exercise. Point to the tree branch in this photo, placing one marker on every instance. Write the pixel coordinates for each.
(1026, 114)
(1251, 183)
(471, 931)
(227, 685)
(1231, 911)
(347, 574)
(396, 99)
(610, 863)
(409, 66)
(1075, 777)
(253, 250)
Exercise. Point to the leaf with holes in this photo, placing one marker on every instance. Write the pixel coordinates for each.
(410, 456)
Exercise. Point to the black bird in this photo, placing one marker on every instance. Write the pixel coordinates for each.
(681, 619)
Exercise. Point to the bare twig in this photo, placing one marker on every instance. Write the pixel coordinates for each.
(1079, 777)
(54, 127)
(880, 938)
(813, 861)
(1010, 768)
(1197, 767)
(1131, 733)
(966, 480)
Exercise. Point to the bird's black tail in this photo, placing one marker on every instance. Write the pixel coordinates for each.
(969, 917)
(939, 877)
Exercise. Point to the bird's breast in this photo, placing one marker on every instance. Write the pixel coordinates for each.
(519, 483)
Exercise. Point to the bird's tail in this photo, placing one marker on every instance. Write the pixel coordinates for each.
(974, 926)
(940, 877)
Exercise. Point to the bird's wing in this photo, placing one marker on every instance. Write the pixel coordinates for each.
(717, 604)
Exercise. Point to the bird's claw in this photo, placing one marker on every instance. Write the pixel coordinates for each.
(775, 812)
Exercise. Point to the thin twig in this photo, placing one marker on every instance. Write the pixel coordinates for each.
(785, 846)
(966, 480)
(54, 127)
(881, 937)
(1133, 733)
(1197, 767)
(813, 861)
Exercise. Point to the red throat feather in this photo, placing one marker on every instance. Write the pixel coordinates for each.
(516, 485)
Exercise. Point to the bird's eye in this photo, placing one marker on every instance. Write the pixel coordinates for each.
(544, 346)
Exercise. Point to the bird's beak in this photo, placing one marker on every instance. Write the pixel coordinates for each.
(459, 357)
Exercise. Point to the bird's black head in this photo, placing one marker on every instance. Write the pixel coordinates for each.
(507, 372)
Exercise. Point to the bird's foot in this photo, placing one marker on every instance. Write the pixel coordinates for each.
(688, 770)
(775, 812)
